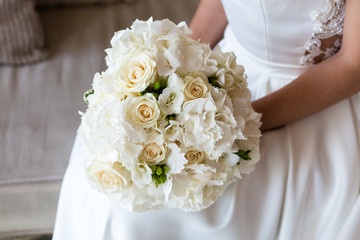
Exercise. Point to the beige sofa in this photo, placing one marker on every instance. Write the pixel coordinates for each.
(39, 103)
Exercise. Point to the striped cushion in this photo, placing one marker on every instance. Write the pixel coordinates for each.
(21, 35)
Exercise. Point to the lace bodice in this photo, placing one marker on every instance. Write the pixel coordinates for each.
(288, 31)
(329, 22)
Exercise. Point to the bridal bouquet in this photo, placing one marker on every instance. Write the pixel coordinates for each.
(169, 123)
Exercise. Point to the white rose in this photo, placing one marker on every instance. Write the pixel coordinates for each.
(194, 156)
(153, 153)
(171, 98)
(143, 111)
(108, 179)
(136, 71)
(196, 86)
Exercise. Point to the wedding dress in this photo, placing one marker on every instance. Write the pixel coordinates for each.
(306, 185)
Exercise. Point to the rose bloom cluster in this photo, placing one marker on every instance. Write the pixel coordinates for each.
(169, 123)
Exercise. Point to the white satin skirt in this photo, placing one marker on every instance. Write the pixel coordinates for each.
(306, 185)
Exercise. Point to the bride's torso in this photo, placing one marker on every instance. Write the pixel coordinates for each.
(287, 31)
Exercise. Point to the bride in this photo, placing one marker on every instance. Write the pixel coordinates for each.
(302, 60)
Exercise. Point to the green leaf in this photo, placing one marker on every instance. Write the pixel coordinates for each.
(244, 154)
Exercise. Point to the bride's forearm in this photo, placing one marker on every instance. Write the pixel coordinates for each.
(321, 86)
(209, 22)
